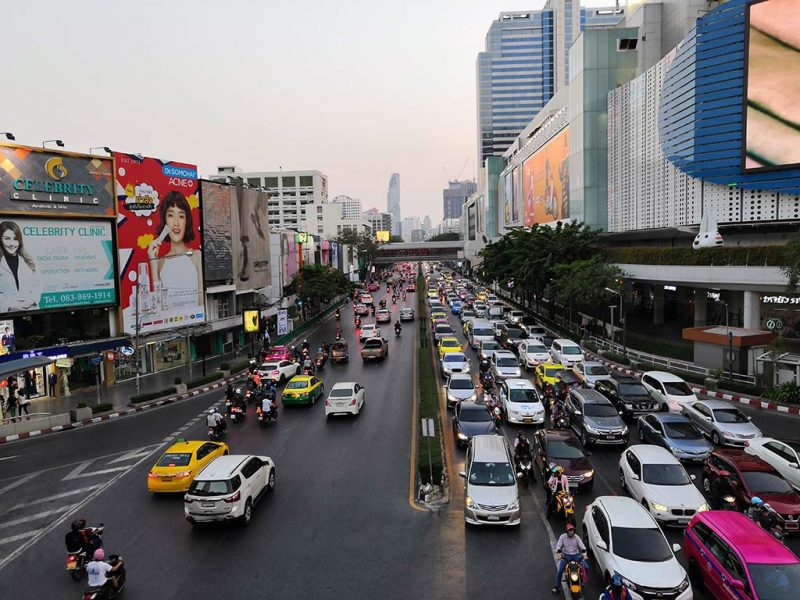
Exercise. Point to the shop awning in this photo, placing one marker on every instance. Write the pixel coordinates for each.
(23, 364)
(78, 349)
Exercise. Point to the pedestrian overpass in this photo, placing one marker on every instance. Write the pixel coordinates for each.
(418, 251)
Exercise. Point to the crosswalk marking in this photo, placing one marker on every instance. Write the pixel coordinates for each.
(56, 497)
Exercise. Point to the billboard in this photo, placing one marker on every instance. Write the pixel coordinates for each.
(159, 240)
(38, 181)
(250, 233)
(382, 236)
(772, 122)
(250, 321)
(217, 232)
(545, 182)
(508, 197)
(517, 196)
(48, 263)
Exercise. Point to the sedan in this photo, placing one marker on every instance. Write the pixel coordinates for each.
(368, 331)
(454, 362)
(532, 353)
(345, 398)
(455, 307)
(559, 447)
(460, 388)
(466, 314)
(175, 470)
(407, 314)
(675, 433)
(366, 299)
(781, 456)
(361, 309)
(723, 423)
(383, 316)
(515, 317)
(442, 330)
(504, 365)
(447, 345)
(487, 349)
(279, 371)
(547, 372)
(471, 419)
(521, 402)
(590, 372)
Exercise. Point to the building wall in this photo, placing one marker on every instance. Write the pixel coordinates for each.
(454, 196)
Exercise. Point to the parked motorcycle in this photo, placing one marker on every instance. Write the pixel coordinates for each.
(105, 592)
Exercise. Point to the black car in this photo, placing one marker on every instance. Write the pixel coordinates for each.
(628, 396)
(470, 419)
(553, 447)
(594, 418)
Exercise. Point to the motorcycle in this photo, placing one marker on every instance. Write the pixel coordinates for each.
(237, 413)
(574, 574)
(265, 417)
(249, 396)
(777, 531)
(394, 299)
(524, 467)
(397, 331)
(565, 506)
(338, 314)
(338, 336)
(105, 592)
(320, 362)
(77, 561)
(487, 381)
(358, 322)
(216, 434)
(308, 370)
(228, 405)
(498, 416)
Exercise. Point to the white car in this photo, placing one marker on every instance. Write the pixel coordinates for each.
(781, 456)
(367, 299)
(368, 331)
(566, 352)
(515, 317)
(532, 353)
(454, 362)
(228, 487)
(521, 402)
(460, 388)
(345, 397)
(624, 538)
(279, 371)
(590, 372)
(671, 391)
(487, 348)
(658, 480)
(383, 316)
(504, 365)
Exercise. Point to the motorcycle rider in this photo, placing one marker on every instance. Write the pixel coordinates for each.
(358, 322)
(397, 327)
(82, 539)
(305, 345)
(721, 487)
(616, 590)
(522, 448)
(308, 366)
(558, 412)
(215, 420)
(569, 547)
(338, 314)
(100, 572)
(557, 482)
(762, 513)
(269, 407)
(229, 392)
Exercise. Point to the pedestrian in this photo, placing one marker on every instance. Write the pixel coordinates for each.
(267, 339)
(24, 405)
(11, 403)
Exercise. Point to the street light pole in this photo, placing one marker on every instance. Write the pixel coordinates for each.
(612, 307)
(621, 320)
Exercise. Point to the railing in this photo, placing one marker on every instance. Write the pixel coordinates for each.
(309, 323)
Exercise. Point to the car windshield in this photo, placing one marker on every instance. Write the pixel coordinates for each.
(507, 361)
(269, 366)
(730, 415)
(572, 350)
(482, 332)
(515, 334)
(494, 474)
(536, 349)
(444, 329)
(665, 475)
(762, 482)
(455, 357)
(596, 370)
(681, 431)
(174, 459)
(568, 448)
(210, 488)
(462, 384)
(677, 388)
(775, 582)
(600, 410)
(523, 395)
(552, 371)
(632, 389)
(296, 385)
(341, 392)
(489, 346)
(476, 415)
(640, 544)
(373, 343)
(450, 343)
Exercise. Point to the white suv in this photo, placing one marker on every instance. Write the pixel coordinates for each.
(566, 352)
(228, 487)
(671, 391)
(279, 370)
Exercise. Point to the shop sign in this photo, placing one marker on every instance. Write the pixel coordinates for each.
(127, 351)
(250, 321)
(95, 360)
(64, 363)
(773, 324)
(283, 322)
(780, 299)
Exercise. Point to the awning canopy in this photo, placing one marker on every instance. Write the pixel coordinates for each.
(23, 364)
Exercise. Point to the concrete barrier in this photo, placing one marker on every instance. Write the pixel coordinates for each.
(34, 424)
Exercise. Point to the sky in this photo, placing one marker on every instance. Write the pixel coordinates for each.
(357, 89)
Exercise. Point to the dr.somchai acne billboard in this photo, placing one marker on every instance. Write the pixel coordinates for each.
(772, 124)
(545, 182)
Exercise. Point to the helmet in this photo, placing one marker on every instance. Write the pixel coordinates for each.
(215, 410)
(78, 524)
(238, 390)
(305, 341)
(756, 501)
(211, 411)
(616, 580)
(570, 527)
(99, 554)
(724, 473)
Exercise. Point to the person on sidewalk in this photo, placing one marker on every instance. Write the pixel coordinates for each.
(11, 403)
(24, 405)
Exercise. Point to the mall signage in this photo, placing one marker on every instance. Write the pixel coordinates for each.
(780, 299)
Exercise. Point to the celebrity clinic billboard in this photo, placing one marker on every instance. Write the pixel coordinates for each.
(55, 263)
(38, 181)
(545, 182)
(159, 243)
(772, 122)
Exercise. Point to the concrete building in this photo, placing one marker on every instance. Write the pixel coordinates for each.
(408, 225)
(448, 226)
(351, 207)
(454, 196)
(427, 224)
(378, 221)
(393, 202)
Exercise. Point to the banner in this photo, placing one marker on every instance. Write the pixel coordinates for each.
(283, 322)
(8, 340)
(38, 181)
(516, 195)
(545, 182)
(250, 321)
(508, 197)
(55, 263)
(217, 231)
(250, 232)
(159, 243)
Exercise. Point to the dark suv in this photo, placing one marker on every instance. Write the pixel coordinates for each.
(594, 418)
(628, 395)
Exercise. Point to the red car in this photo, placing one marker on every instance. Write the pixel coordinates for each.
(411, 287)
(752, 476)
(373, 287)
(277, 353)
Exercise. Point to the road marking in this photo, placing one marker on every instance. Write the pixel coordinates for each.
(77, 472)
(21, 536)
(10, 457)
(56, 497)
(36, 516)
(19, 482)
(135, 453)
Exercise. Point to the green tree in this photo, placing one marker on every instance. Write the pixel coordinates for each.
(319, 284)
(396, 239)
(791, 266)
(584, 282)
(364, 245)
(448, 236)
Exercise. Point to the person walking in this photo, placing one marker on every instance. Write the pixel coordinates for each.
(11, 403)
(24, 405)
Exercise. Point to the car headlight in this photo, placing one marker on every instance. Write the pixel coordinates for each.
(675, 450)
(625, 430)
(703, 507)
(470, 502)
(590, 429)
(452, 398)
(472, 398)
(629, 406)
(589, 473)
(657, 506)
(628, 583)
(463, 436)
(684, 584)
(513, 505)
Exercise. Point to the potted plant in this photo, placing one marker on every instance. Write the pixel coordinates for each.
(180, 387)
(712, 378)
(80, 413)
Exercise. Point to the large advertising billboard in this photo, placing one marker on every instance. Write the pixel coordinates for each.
(159, 243)
(55, 263)
(516, 195)
(217, 233)
(545, 182)
(250, 232)
(508, 197)
(772, 123)
(38, 181)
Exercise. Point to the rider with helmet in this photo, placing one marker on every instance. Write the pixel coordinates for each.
(557, 482)
(522, 447)
(215, 420)
(397, 327)
(762, 513)
(100, 572)
(81, 538)
(616, 590)
(721, 487)
(569, 547)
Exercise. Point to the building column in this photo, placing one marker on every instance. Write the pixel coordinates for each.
(700, 304)
(752, 310)
(658, 304)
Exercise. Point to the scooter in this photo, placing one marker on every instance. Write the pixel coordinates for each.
(264, 418)
(216, 434)
(397, 331)
(105, 592)
(238, 413)
(338, 336)
(77, 561)
(573, 571)
(565, 506)
(524, 468)
(320, 362)
(338, 314)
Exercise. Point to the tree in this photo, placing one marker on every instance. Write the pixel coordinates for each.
(364, 244)
(396, 239)
(584, 282)
(320, 284)
(448, 236)
(791, 267)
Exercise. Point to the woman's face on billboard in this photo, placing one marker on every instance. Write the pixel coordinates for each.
(10, 242)
(176, 223)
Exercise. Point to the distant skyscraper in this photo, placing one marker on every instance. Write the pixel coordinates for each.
(454, 196)
(408, 225)
(393, 202)
(427, 224)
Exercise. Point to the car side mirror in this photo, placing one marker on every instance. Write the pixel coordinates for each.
(602, 545)
(634, 476)
(738, 585)
(793, 465)
(462, 474)
(693, 477)
(707, 418)
(676, 547)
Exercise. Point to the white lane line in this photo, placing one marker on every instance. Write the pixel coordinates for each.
(174, 433)
(21, 536)
(9, 457)
(18, 482)
(36, 516)
(77, 472)
(55, 497)
(167, 439)
(135, 453)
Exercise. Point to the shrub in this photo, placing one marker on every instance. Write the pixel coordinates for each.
(240, 365)
(715, 373)
(102, 407)
(742, 388)
(153, 395)
(728, 255)
(788, 393)
(225, 367)
(204, 380)
(617, 358)
(590, 347)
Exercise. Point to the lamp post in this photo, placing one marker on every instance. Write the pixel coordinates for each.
(729, 335)
(8, 134)
(621, 321)
(58, 143)
(103, 148)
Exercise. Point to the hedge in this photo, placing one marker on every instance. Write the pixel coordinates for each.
(239, 365)
(754, 256)
(102, 407)
(204, 380)
(617, 358)
(428, 399)
(153, 395)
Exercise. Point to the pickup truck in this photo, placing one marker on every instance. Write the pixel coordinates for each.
(375, 348)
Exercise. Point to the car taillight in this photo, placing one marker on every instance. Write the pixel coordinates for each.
(327, 402)
(182, 474)
(234, 498)
(152, 475)
(353, 402)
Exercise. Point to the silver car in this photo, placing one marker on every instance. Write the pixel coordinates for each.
(723, 423)
(590, 372)
(460, 388)
(487, 349)
(505, 365)
(491, 493)
(454, 362)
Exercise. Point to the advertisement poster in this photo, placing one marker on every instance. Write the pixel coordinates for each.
(159, 239)
(508, 197)
(250, 232)
(38, 181)
(55, 263)
(250, 321)
(8, 342)
(517, 196)
(283, 322)
(545, 182)
(772, 123)
(217, 231)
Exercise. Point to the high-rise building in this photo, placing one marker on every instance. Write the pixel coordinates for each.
(351, 207)
(526, 61)
(379, 221)
(454, 196)
(427, 224)
(408, 225)
(393, 202)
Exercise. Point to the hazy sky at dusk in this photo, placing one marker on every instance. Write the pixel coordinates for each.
(355, 88)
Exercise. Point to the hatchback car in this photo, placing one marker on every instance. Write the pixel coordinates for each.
(471, 419)
(454, 362)
(492, 496)
(532, 353)
(675, 433)
(407, 314)
(590, 372)
(778, 454)
(560, 447)
(722, 422)
(460, 388)
(228, 488)
(521, 402)
(175, 470)
(504, 365)
(594, 418)
(345, 397)
(628, 396)
(671, 391)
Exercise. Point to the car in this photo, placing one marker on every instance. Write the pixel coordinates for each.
(628, 396)
(732, 557)
(455, 307)
(303, 389)
(375, 348)
(367, 299)
(442, 330)
(491, 492)
(487, 348)
(339, 352)
(438, 313)
(345, 397)
(368, 331)
(594, 419)
(481, 295)
(175, 470)
(491, 299)
(504, 365)
(495, 311)
(454, 362)
(566, 352)
(466, 314)
(547, 372)
(471, 419)
(479, 330)
(279, 371)
(510, 337)
(433, 294)
(590, 372)
(623, 538)
(479, 308)
(778, 454)
(228, 488)
(435, 305)
(532, 353)
(448, 344)
(521, 402)
(407, 314)
(754, 477)
(656, 479)
(675, 433)
(383, 316)
(671, 391)
(460, 388)
(361, 310)
(560, 447)
(373, 286)
(497, 323)
(536, 331)
(725, 424)
(411, 287)
(515, 317)
(277, 353)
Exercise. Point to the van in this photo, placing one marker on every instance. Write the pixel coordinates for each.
(495, 311)
(480, 330)
(492, 496)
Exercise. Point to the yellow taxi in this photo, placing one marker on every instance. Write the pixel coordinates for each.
(482, 296)
(182, 461)
(303, 389)
(448, 344)
(438, 314)
(547, 372)
(433, 294)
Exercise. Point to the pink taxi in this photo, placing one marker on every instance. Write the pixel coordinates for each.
(278, 353)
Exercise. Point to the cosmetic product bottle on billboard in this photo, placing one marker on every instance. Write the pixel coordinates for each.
(143, 287)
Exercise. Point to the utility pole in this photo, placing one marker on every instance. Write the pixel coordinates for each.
(612, 307)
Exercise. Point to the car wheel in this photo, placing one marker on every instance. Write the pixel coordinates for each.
(715, 438)
(696, 576)
(248, 512)
(271, 481)
(622, 481)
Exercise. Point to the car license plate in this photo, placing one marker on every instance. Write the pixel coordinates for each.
(791, 525)
(166, 478)
(71, 565)
(610, 437)
(492, 518)
(527, 420)
(683, 521)
(207, 504)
